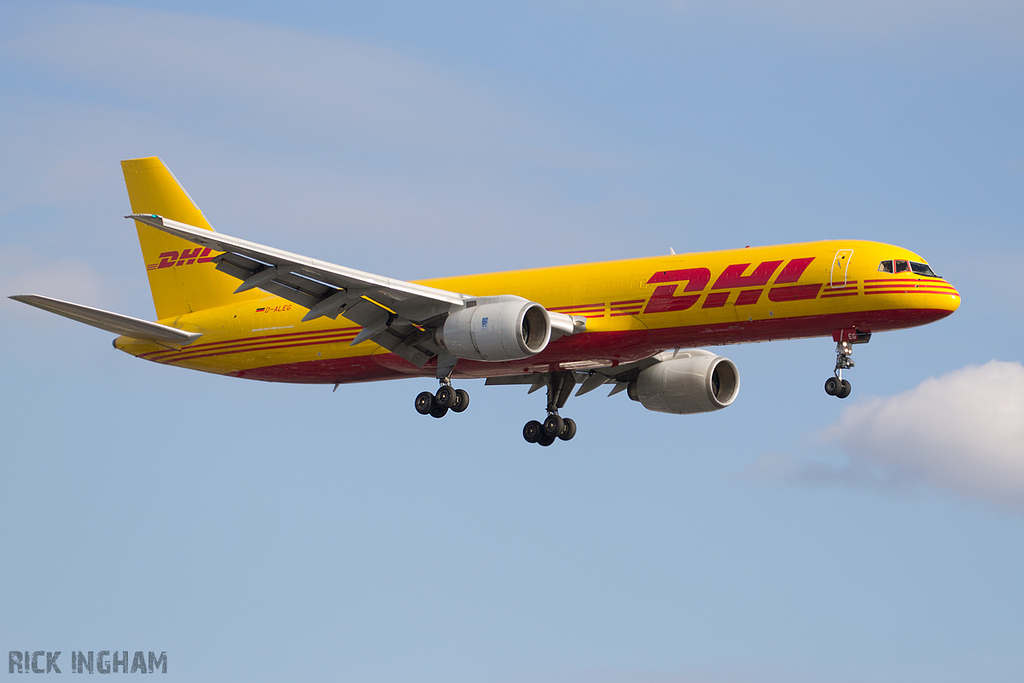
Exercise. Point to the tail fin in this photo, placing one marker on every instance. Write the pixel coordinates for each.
(181, 277)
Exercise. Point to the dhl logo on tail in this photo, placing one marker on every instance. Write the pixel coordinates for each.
(186, 257)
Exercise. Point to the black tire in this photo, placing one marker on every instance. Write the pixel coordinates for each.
(547, 439)
(461, 400)
(553, 425)
(845, 390)
(832, 386)
(424, 403)
(438, 411)
(532, 431)
(445, 396)
(568, 430)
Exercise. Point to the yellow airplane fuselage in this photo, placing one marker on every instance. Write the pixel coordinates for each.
(633, 308)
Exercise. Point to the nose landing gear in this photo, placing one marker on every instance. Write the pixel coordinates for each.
(837, 386)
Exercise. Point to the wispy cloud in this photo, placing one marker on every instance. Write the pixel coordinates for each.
(239, 74)
(353, 144)
(962, 432)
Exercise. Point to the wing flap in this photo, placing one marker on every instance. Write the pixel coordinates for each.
(111, 322)
(291, 294)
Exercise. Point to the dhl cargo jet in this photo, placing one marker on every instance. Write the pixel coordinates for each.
(228, 306)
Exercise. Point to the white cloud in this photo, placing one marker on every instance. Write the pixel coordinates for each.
(963, 432)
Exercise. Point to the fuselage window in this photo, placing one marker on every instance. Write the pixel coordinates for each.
(902, 266)
(922, 269)
(885, 267)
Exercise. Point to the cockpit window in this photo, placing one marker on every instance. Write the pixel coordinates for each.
(893, 266)
(922, 269)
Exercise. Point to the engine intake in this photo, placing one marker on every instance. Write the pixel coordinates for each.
(496, 329)
(687, 381)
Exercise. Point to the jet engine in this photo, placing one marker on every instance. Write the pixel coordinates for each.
(496, 329)
(686, 381)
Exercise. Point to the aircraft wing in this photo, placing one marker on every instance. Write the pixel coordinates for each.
(397, 315)
(111, 322)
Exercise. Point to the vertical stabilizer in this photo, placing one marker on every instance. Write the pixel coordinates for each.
(181, 275)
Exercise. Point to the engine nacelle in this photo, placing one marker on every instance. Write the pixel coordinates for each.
(687, 381)
(496, 329)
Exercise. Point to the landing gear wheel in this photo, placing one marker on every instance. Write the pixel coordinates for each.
(845, 340)
(424, 403)
(445, 396)
(568, 429)
(845, 389)
(532, 431)
(461, 400)
(438, 411)
(553, 425)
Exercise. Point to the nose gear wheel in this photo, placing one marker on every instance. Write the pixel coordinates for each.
(845, 339)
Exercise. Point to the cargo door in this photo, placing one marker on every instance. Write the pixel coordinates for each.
(840, 267)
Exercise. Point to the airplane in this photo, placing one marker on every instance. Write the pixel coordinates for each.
(232, 307)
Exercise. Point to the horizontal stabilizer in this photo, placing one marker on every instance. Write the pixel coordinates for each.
(111, 322)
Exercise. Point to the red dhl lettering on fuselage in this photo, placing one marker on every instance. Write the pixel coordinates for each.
(186, 257)
(666, 297)
(751, 285)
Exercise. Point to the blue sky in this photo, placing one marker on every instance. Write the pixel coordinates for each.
(259, 531)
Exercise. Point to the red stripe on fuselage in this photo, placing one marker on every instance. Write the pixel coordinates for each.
(255, 339)
(270, 347)
(244, 345)
(910, 285)
(912, 290)
(613, 347)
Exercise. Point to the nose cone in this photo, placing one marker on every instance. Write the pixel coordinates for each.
(918, 300)
(934, 299)
(954, 302)
(945, 296)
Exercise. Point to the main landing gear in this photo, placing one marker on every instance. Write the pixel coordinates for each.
(444, 399)
(554, 426)
(845, 339)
